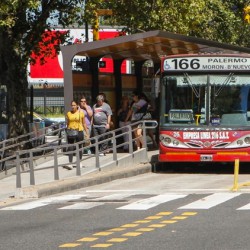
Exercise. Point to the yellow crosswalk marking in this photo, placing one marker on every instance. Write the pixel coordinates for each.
(102, 245)
(164, 213)
(103, 233)
(117, 240)
(87, 239)
(118, 229)
(179, 218)
(70, 245)
(189, 213)
(130, 225)
(133, 234)
(142, 221)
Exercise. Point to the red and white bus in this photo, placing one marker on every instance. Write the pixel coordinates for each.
(205, 108)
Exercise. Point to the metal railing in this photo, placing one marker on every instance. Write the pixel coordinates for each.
(30, 140)
(55, 151)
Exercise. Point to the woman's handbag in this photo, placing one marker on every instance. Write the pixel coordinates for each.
(72, 133)
(147, 116)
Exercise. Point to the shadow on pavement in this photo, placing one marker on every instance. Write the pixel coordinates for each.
(197, 168)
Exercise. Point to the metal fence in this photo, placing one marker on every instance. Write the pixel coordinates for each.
(32, 140)
(58, 148)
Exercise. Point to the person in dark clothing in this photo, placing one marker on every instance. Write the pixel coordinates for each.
(122, 115)
(101, 120)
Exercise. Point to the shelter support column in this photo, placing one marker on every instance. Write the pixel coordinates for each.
(118, 82)
(94, 69)
(68, 81)
(138, 74)
(157, 103)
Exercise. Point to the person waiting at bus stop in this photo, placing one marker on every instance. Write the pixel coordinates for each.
(101, 121)
(122, 115)
(75, 122)
(88, 113)
(138, 110)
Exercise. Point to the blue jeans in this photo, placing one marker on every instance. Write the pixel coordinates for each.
(100, 131)
(72, 141)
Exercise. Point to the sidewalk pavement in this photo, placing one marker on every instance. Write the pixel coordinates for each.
(45, 185)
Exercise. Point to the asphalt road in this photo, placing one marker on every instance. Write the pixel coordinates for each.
(152, 211)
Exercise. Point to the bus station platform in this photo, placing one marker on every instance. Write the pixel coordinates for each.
(45, 185)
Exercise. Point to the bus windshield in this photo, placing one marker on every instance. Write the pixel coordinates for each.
(205, 99)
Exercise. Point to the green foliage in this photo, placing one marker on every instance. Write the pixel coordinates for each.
(218, 20)
(23, 22)
(22, 32)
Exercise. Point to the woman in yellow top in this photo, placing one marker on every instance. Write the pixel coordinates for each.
(75, 120)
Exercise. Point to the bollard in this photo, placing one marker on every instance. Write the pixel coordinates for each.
(114, 147)
(236, 175)
(18, 171)
(31, 166)
(78, 161)
(56, 171)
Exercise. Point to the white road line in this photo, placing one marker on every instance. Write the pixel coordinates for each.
(82, 205)
(43, 202)
(210, 201)
(26, 206)
(246, 207)
(112, 197)
(115, 191)
(91, 204)
(151, 202)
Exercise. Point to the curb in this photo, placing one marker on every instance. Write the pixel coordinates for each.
(74, 183)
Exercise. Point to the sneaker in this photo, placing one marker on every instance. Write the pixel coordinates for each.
(68, 167)
(101, 154)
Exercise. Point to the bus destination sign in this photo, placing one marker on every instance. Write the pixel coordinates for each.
(206, 63)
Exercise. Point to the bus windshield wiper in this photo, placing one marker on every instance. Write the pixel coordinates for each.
(227, 80)
(187, 78)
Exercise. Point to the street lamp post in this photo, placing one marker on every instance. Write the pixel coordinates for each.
(45, 85)
(31, 103)
(86, 26)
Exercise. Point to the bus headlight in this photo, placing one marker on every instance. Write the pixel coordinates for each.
(175, 143)
(167, 140)
(239, 142)
(171, 142)
(247, 140)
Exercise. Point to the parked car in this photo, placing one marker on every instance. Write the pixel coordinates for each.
(52, 124)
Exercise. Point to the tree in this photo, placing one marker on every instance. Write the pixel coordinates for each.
(22, 30)
(22, 26)
(218, 20)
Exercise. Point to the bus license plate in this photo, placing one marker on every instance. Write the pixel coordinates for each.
(206, 158)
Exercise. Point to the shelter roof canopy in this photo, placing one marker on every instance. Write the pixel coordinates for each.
(150, 45)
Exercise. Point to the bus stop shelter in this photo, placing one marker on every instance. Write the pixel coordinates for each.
(140, 47)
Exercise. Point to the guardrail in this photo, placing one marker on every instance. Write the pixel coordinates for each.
(57, 150)
(30, 140)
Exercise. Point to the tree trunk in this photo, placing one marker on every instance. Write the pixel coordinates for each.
(15, 79)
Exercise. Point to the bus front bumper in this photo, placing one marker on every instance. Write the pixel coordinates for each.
(227, 156)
